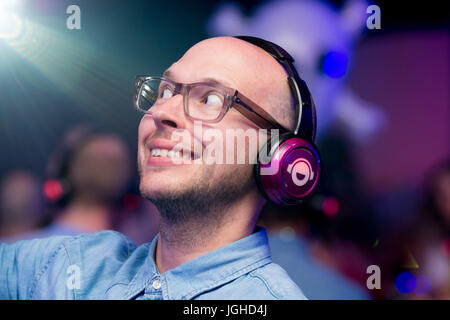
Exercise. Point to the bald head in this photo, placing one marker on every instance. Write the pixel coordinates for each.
(242, 66)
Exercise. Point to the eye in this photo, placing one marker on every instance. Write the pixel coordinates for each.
(213, 99)
(166, 93)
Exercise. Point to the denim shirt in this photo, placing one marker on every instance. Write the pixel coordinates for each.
(108, 265)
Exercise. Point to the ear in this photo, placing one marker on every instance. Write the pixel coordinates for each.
(227, 20)
(353, 17)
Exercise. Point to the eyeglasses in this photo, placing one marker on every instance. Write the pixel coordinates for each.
(206, 101)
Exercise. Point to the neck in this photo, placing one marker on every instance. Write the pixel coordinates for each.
(185, 241)
(89, 216)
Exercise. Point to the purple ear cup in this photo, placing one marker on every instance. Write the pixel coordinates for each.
(289, 172)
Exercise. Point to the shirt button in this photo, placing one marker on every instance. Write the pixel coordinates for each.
(156, 284)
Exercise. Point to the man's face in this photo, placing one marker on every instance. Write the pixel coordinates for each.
(234, 64)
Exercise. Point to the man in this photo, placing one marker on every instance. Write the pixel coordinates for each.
(209, 246)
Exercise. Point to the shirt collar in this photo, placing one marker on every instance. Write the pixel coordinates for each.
(206, 272)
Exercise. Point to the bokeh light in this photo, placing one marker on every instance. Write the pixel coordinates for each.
(423, 286)
(53, 190)
(10, 25)
(445, 247)
(335, 64)
(406, 282)
(131, 201)
(330, 206)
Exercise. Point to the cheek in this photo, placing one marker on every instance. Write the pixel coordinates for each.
(146, 129)
(241, 150)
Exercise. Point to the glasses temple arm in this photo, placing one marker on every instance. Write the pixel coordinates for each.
(255, 113)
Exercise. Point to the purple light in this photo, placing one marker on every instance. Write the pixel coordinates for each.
(423, 286)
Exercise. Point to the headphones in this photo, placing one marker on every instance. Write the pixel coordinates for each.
(288, 166)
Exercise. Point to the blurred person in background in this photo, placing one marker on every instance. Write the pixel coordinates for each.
(87, 177)
(139, 219)
(293, 248)
(21, 204)
(431, 235)
(342, 218)
(437, 200)
(415, 259)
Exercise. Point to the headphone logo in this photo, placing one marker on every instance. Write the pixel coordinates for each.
(303, 168)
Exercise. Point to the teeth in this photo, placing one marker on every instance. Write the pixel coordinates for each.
(165, 153)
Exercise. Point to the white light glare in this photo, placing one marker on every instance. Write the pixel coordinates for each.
(10, 24)
(9, 5)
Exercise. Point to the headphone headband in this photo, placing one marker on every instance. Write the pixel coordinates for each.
(305, 110)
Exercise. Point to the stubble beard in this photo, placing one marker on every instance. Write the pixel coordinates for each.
(191, 212)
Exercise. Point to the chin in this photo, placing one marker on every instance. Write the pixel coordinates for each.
(150, 185)
(159, 183)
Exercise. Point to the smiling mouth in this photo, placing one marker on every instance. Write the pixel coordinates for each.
(172, 154)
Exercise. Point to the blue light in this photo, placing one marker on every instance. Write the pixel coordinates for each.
(405, 282)
(335, 64)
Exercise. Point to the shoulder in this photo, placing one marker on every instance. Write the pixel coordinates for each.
(96, 246)
(277, 282)
(269, 282)
(40, 268)
(116, 243)
(99, 254)
(93, 259)
(51, 244)
(33, 254)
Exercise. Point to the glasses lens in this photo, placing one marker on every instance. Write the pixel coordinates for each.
(153, 92)
(205, 102)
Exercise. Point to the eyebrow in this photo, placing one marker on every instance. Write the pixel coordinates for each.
(169, 74)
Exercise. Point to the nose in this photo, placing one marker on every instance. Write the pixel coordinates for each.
(170, 114)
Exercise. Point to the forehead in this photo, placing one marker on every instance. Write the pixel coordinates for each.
(233, 62)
